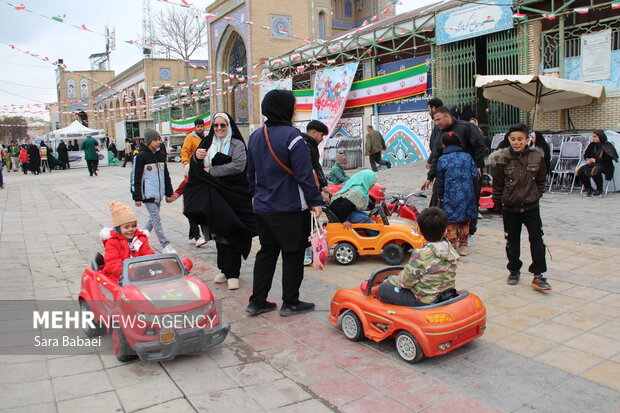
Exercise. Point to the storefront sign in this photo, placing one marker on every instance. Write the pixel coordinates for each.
(474, 20)
(596, 56)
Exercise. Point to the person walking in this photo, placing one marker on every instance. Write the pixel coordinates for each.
(63, 155)
(519, 180)
(14, 152)
(190, 144)
(89, 146)
(217, 196)
(34, 159)
(150, 183)
(282, 185)
(2, 155)
(23, 159)
(128, 152)
(374, 146)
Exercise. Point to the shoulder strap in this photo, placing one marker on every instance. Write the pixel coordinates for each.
(286, 168)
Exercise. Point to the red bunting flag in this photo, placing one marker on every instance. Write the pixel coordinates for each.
(85, 28)
(581, 10)
(60, 18)
(519, 16)
(549, 16)
(615, 5)
(185, 3)
(20, 7)
(228, 18)
(209, 16)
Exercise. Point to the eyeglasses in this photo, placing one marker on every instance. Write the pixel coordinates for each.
(220, 125)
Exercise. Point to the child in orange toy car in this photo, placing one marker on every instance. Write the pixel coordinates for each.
(431, 269)
(123, 241)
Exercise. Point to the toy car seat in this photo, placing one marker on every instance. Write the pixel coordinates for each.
(446, 295)
(97, 262)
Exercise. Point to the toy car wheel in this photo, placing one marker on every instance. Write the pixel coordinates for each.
(177, 158)
(408, 347)
(98, 329)
(392, 254)
(352, 326)
(122, 349)
(345, 253)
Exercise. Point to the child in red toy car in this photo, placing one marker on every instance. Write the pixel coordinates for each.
(431, 269)
(123, 241)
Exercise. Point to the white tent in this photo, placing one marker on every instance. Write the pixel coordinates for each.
(76, 131)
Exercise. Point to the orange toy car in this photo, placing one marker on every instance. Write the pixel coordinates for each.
(390, 239)
(430, 330)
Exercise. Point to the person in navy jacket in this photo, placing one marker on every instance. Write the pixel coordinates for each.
(284, 192)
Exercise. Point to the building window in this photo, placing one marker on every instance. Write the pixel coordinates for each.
(321, 25)
(348, 9)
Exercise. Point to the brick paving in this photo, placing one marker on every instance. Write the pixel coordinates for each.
(544, 352)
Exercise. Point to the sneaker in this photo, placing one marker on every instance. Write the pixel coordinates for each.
(464, 250)
(169, 249)
(540, 283)
(389, 165)
(200, 242)
(513, 277)
(597, 193)
(220, 279)
(191, 241)
(256, 309)
(299, 308)
(471, 240)
(589, 193)
(308, 257)
(233, 283)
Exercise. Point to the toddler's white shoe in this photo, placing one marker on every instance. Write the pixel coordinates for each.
(169, 249)
(200, 242)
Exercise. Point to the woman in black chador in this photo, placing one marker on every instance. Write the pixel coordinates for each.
(34, 159)
(63, 155)
(217, 196)
(599, 156)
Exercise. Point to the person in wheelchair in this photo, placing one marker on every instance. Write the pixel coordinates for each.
(429, 275)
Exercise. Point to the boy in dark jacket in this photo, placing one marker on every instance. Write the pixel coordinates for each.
(518, 184)
(150, 182)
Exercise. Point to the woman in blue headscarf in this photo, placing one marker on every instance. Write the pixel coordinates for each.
(349, 203)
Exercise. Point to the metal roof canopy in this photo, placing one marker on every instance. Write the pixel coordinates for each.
(389, 36)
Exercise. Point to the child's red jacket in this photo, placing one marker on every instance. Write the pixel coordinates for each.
(117, 250)
(23, 155)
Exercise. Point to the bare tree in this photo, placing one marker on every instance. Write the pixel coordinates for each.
(181, 31)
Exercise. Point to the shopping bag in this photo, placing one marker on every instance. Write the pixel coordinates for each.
(318, 240)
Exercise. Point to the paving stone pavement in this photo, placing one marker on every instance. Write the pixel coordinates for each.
(547, 352)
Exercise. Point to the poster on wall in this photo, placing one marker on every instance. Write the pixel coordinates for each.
(473, 20)
(331, 88)
(596, 55)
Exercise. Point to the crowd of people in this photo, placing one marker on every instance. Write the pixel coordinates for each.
(234, 191)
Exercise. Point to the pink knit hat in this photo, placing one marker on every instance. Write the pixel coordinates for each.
(121, 214)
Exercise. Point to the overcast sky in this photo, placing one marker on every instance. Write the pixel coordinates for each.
(27, 80)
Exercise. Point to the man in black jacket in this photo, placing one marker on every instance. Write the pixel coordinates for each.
(473, 143)
(315, 133)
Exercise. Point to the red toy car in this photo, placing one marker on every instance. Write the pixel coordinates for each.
(430, 330)
(157, 311)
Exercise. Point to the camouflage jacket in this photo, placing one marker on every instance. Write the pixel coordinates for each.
(430, 271)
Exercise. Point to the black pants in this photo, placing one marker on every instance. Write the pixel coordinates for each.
(25, 168)
(388, 293)
(286, 234)
(127, 159)
(92, 167)
(194, 230)
(228, 260)
(512, 232)
(585, 180)
(375, 159)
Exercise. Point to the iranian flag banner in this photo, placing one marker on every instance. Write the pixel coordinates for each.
(187, 125)
(380, 89)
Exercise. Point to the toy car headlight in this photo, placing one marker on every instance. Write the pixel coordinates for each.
(478, 303)
(414, 232)
(438, 318)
